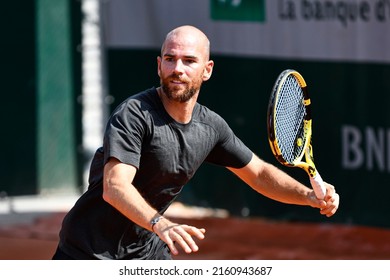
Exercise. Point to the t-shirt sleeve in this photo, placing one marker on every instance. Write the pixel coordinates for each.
(124, 133)
(229, 151)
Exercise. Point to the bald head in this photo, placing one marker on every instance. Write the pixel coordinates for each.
(188, 34)
(184, 64)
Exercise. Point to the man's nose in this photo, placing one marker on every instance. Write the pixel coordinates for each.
(179, 66)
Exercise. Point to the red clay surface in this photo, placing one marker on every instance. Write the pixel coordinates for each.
(226, 239)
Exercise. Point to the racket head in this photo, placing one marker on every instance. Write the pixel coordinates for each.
(289, 119)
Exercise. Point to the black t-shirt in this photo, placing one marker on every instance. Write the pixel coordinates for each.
(166, 153)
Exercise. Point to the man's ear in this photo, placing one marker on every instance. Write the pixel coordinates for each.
(208, 70)
(158, 66)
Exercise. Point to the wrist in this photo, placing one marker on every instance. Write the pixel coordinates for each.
(154, 221)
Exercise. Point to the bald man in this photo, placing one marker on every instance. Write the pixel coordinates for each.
(154, 142)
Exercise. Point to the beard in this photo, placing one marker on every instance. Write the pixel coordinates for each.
(176, 93)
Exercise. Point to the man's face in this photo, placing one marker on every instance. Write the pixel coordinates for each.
(182, 67)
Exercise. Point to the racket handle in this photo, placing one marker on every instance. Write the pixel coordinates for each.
(318, 186)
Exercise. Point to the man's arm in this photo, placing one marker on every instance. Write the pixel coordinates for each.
(119, 191)
(272, 182)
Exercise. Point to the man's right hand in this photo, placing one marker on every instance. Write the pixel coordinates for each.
(174, 234)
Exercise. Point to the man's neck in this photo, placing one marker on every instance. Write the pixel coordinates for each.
(179, 111)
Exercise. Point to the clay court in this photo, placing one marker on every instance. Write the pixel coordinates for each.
(227, 238)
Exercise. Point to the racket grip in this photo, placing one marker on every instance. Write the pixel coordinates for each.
(318, 186)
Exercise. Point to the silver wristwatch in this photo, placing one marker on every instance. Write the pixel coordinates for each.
(154, 221)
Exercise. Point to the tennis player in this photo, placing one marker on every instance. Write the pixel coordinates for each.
(153, 144)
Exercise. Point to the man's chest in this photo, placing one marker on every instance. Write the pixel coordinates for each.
(179, 149)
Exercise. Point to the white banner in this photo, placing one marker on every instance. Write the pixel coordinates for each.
(199, 270)
(349, 30)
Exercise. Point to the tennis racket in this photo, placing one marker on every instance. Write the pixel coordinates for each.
(289, 124)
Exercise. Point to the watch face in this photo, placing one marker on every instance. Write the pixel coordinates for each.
(156, 220)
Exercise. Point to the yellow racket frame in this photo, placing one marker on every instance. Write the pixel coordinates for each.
(307, 151)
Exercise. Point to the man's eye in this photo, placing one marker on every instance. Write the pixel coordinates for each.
(190, 61)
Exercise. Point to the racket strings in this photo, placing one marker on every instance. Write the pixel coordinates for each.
(289, 120)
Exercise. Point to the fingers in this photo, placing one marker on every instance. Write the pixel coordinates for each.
(332, 200)
(330, 190)
(332, 204)
(181, 236)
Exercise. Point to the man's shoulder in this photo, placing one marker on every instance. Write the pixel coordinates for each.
(207, 115)
(148, 96)
(142, 100)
